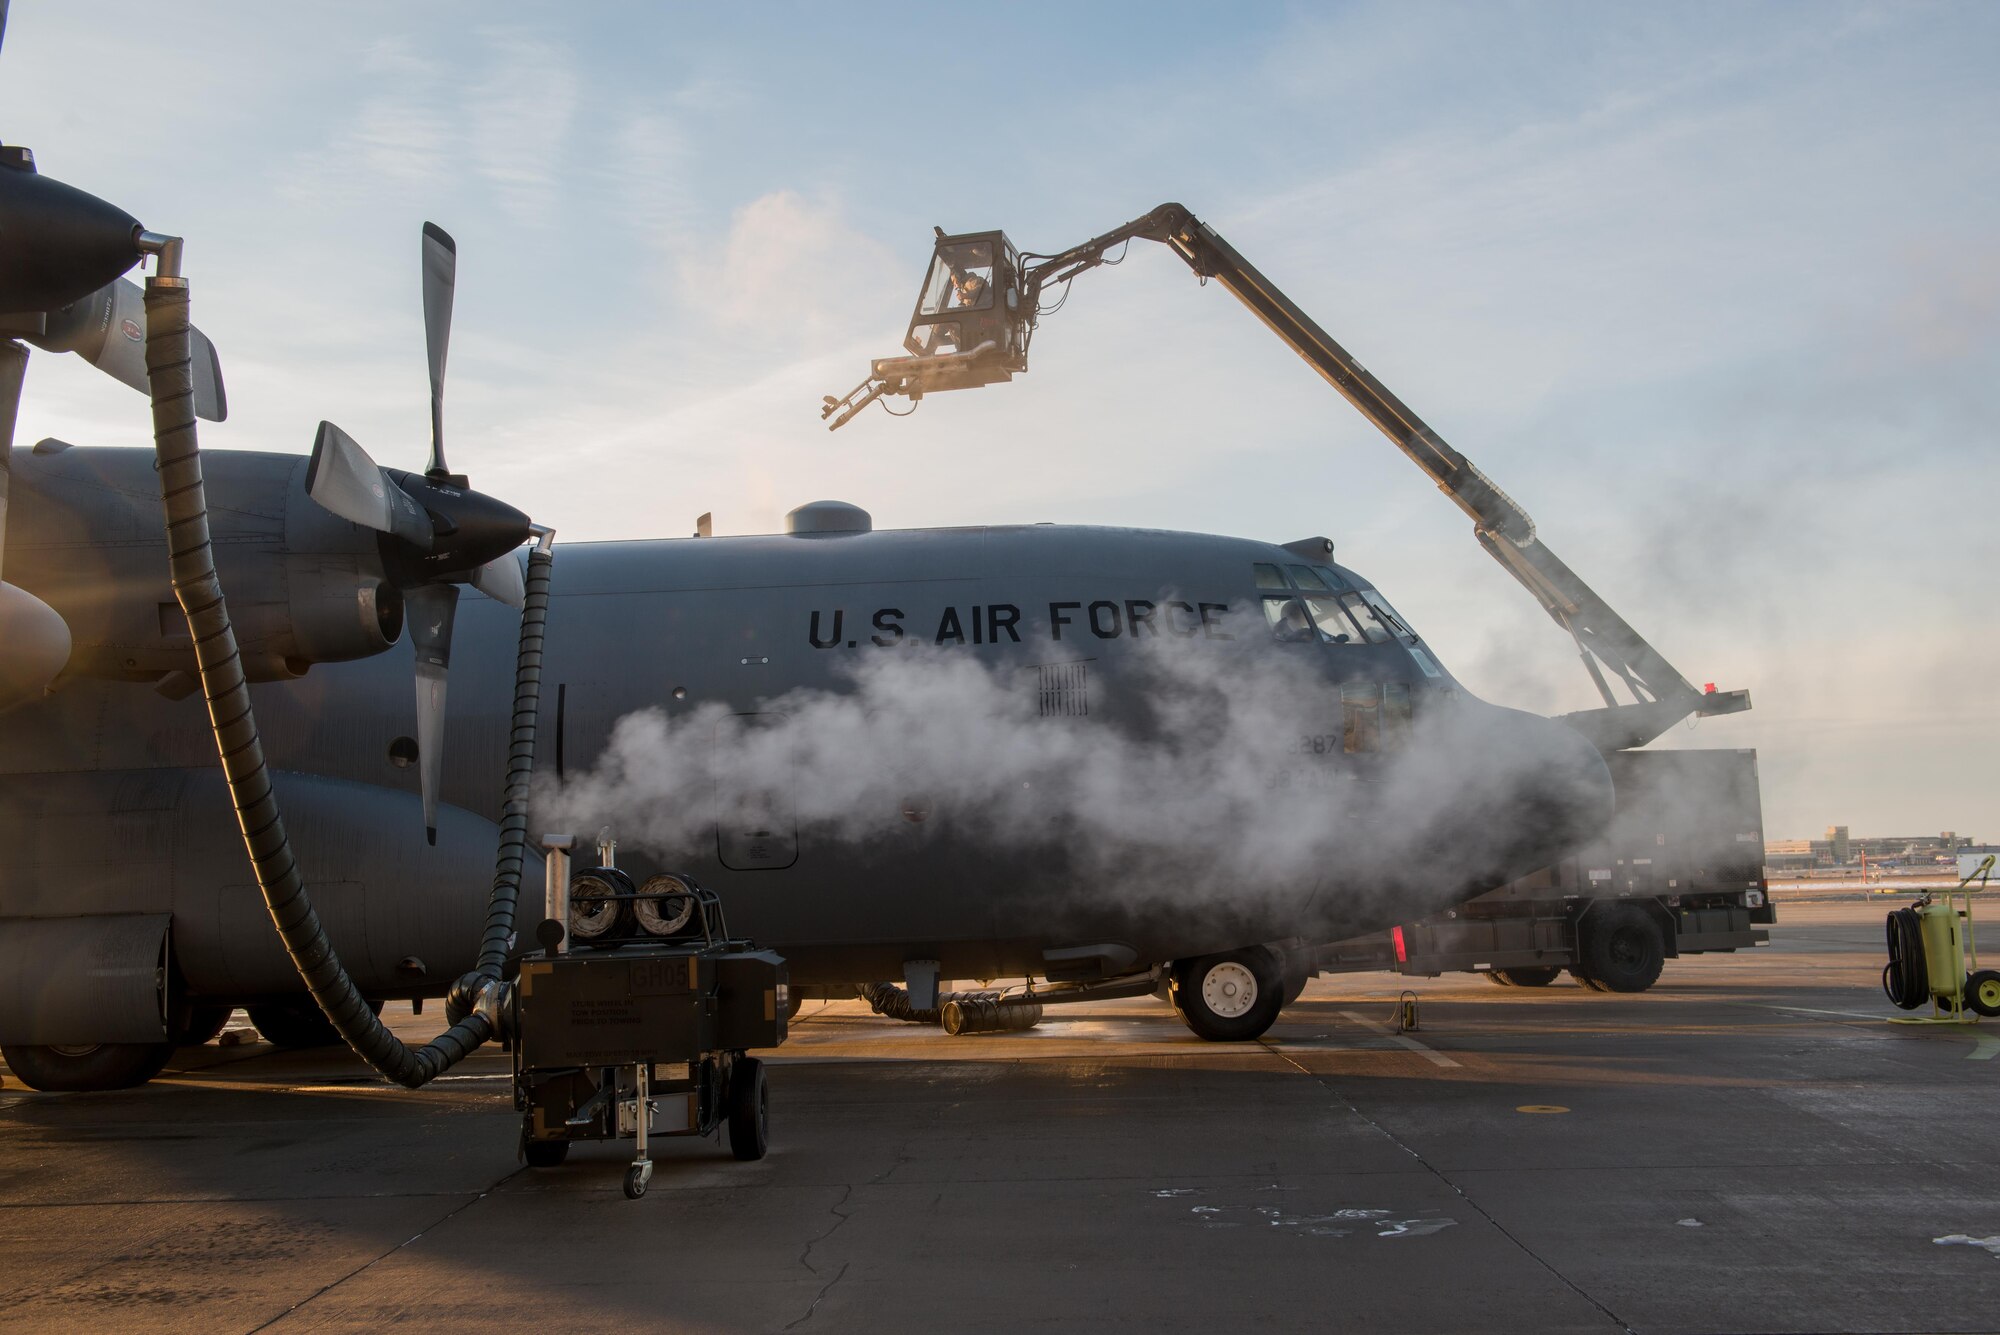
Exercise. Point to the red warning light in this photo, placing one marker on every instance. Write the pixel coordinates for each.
(1708, 688)
(1402, 950)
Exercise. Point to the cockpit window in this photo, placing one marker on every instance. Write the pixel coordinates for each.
(1365, 615)
(1334, 627)
(1305, 577)
(1308, 619)
(1269, 576)
(1396, 624)
(1288, 621)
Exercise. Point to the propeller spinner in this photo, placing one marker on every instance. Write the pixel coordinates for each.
(437, 533)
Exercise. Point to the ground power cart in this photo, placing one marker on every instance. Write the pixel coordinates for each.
(634, 1033)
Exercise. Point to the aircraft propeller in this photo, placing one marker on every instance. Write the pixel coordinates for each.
(437, 533)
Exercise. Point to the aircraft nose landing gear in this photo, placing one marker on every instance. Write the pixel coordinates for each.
(1232, 997)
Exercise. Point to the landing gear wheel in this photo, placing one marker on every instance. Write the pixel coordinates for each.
(297, 1024)
(1623, 949)
(749, 1110)
(1982, 992)
(1232, 997)
(86, 1067)
(635, 1181)
(1532, 976)
(544, 1153)
(204, 1024)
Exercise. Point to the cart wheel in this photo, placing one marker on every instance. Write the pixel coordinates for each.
(1982, 992)
(635, 1182)
(749, 1110)
(544, 1153)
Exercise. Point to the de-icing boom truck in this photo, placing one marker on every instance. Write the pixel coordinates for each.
(1679, 872)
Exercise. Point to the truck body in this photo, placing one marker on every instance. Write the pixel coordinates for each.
(1686, 848)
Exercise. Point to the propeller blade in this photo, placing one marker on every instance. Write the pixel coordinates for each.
(500, 579)
(108, 329)
(431, 610)
(343, 479)
(440, 277)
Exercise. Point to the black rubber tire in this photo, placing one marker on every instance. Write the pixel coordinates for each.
(1225, 975)
(84, 1069)
(544, 1153)
(1623, 948)
(1982, 992)
(203, 1024)
(297, 1024)
(1585, 981)
(635, 1183)
(1533, 975)
(749, 1110)
(1499, 978)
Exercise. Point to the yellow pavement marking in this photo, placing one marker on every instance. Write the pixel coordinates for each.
(1541, 1108)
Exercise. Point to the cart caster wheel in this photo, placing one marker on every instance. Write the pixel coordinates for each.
(1982, 992)
(636, 1178)
(749, 1110)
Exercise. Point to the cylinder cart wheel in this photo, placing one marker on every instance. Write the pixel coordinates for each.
(635, 1181)
(1982, 992)
(1232, 997)
(749, 1110)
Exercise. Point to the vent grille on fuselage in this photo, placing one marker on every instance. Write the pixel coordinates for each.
(1064, 690)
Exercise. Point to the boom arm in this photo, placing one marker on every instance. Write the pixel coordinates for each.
(1662, 697)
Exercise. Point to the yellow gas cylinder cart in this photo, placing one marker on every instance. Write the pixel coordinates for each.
(1932, 956)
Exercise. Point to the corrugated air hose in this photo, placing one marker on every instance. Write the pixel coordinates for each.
(892, 1002)
(1906, 977)
(241, 751)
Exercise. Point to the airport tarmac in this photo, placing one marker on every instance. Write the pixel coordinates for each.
(1748, 1147)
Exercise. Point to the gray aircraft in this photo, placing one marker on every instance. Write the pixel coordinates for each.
(1366, 784)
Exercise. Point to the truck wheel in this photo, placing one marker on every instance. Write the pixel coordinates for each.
(1622, 948)
(297, 1024)
(1232, 997)
(1532, 976)
(749, 1110)
(1585, 981)
(85, 1067)
(1982, 992)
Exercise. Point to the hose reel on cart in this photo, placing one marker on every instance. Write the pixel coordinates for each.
(1932, 957)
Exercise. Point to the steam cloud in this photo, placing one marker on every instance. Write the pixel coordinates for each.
(1194, 777)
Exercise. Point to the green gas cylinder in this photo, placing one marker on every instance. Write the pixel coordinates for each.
(1944, 949)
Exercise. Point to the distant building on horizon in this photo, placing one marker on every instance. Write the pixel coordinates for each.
(1841, 849)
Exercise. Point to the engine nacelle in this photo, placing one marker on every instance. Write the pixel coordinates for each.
(34, 645)
(304, 586)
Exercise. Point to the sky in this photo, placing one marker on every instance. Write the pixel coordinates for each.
(1712, 290)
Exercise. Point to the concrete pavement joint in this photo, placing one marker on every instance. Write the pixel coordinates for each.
(446, 1218)
(1457, 1190)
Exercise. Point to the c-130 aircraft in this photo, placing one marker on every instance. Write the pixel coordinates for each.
(122, 864)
